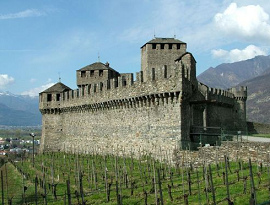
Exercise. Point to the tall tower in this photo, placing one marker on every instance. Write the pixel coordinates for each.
(160, 52)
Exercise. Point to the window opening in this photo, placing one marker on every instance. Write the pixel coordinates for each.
(153, 74)
(100, 73)
(58, 97)
(49, 97)
(92, 73)
(83, 74)
(165, 71)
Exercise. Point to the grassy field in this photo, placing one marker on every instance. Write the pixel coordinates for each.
(261, 135)
(96, 179)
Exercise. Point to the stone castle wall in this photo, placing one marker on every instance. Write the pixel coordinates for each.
(155, 113)
(132, 129)
(124, 118)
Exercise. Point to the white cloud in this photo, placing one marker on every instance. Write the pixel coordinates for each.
(248, 22)
(237, 55)
(188, 20)
(5, 80)
(35, 91)
(23, 14)
(32, 80)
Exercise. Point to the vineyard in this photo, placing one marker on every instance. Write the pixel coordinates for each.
(66, 178)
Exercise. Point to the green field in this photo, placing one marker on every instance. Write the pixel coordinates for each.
(96, 179)
(261, 135)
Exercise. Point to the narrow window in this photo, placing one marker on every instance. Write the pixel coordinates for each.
(58, 97)
(178, 46)
(153, 74)
(116, 83)
(83, 74)
(49, 97)
(170, 46)
(100, 73)
(89, 88)
(101, 86)
(165, 71)
(154, 46)
(72, 94)
(92, 73)
(162, 46)
(83, 87)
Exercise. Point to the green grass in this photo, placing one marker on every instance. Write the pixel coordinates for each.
(261, 135)
(141, 172)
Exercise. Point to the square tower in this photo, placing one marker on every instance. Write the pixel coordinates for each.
(160, 52)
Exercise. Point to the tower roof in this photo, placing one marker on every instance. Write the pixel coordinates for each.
(97, 66)
(186, 53)
(58, 87)
(164, 40)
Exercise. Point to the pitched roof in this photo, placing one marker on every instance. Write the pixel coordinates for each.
(97, 66)
(186, 53)
(58, 87)
(164, 40)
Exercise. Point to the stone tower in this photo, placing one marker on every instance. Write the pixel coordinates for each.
(160, 52)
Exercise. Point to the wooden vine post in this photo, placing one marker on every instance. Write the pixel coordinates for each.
(212, 185)
(160, 187)
(227, 180)
(36, 196)
(253, 192)
(68, 192)
(2, 187)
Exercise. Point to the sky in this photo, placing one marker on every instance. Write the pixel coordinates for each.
(42, 41)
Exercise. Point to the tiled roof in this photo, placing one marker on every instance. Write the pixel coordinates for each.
(97, 66)
(58, 87)
(164, 40)
(186, 53)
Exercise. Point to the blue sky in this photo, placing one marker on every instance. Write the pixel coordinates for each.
(42, 40)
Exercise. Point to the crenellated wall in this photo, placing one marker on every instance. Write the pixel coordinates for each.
(154, 113)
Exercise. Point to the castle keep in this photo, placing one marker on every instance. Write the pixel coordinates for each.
(165, 108)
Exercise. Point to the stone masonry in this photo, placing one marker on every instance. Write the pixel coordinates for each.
(165, 108)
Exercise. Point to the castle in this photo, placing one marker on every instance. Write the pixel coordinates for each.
(164, 109)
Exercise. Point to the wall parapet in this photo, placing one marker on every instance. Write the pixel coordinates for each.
(220, 95)
(116, 88)
(150, 100)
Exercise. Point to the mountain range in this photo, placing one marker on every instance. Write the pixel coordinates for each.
(19, 110)
(253, 73)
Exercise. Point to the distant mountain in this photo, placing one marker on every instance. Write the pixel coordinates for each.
(231, 74)
(18, 110)
(253, 73)
(258, 106)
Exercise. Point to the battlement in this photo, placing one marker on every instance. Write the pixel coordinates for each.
(155, 109)
(118, 88)
(239, 93)
(224, 96)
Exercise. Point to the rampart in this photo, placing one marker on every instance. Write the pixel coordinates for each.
(153, 113)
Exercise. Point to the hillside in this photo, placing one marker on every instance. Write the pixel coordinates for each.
(258, 107)
(231, 74)
(253, 73)
(17, 110)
